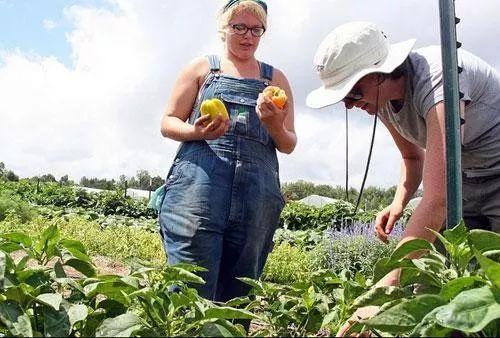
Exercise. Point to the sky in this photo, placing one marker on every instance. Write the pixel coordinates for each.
(84, 83)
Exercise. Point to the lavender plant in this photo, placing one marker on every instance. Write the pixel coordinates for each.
(355, 247)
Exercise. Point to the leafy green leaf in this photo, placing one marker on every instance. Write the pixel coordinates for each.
(179, 300)
(222, 328)
(491, 269)
(470, 311)
(122, 326)
(22, 263)
(411, 276)
(447, 244)
(386, 265)
(215, 330)
(410, 247)
(238, 301)
(404, 316)
(73, 245)
(190, 267)
(50, 299)
(224, 312)
(19, 238)
(82, 266)
(379, 296)
(19, 293)
(112, 307)
(429, 326)
(451, 289)
(112, 289)
(176, 274)
(47, 241)
(10, 247)
(94, 319)
(77, 313)
(257, 286)
(484, 240)
(331, 316)
(59, 270)
(492, 254)
(56, 322)
(35, 277)
(15, 320)
(457, 234)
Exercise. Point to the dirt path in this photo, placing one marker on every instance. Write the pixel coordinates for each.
(104, 265)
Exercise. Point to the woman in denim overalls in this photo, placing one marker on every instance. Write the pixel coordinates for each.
(222, 195)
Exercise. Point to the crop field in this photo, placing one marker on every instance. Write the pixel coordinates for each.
(77, 263)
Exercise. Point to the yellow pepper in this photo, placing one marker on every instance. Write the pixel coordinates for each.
(214, 107)
(277, 95)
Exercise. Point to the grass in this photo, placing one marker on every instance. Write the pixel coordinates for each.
(120, 243)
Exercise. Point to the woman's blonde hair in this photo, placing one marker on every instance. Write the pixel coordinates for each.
(245, 5)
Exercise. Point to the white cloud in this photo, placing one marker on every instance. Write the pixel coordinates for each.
(100, 117)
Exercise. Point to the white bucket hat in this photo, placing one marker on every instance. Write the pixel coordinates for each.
(350, 52)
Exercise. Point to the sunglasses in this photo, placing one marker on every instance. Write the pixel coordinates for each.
(354, 95)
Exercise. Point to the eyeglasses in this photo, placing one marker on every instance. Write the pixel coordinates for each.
(357, 94)
(354, 95)
(241, 29)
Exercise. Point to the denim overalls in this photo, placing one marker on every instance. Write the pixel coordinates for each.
(222, 197)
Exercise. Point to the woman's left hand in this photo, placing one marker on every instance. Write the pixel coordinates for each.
(269, 114)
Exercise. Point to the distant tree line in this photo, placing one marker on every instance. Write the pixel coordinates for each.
(373, 197)
(7, 175)
(142, 180)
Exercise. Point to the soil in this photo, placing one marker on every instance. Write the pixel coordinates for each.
(104, 265)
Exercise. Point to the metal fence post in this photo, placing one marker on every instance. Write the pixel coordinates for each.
(449, 47)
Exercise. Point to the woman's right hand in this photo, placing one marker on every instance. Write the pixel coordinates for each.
(386, 219)
(210, 130)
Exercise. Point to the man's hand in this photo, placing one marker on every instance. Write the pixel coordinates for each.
(391, 279)
(360, 314)
(386, 219)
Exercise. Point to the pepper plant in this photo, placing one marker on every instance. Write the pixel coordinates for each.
(455, 293)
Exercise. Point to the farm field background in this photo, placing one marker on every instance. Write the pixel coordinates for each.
(78, 263)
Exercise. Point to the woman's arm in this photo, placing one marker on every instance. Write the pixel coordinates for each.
(180, 106)
(279, 122)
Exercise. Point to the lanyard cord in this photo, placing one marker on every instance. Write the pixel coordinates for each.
(369, 154)
(346, 155)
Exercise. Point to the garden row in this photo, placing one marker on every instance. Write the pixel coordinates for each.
(71, 199)
(49, 286)
(321, 270)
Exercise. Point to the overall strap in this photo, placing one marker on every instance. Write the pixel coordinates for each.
(214, 62)
(266, 71)
(206, 90)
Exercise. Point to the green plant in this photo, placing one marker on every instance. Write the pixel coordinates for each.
(35, 299)
(298, 216)
(302, 308)
(287, 264)
(121, 243)
(439, 295)
(11, 205)
(38, 296)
